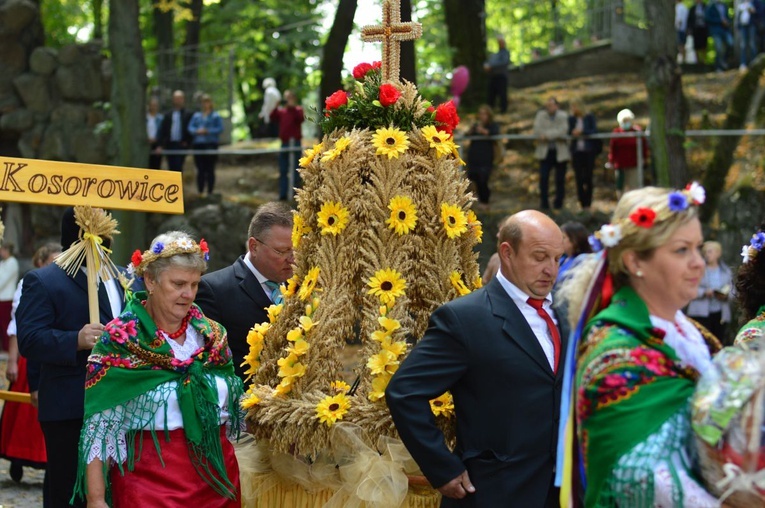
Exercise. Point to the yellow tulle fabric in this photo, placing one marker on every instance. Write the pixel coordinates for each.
(353, 474)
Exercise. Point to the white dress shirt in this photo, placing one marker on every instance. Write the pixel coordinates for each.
(261, 278)
(536, 322)
(115, 300)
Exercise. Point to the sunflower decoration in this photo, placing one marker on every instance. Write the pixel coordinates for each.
(379, 384)
(249, 400)
(291, 287)
(339, 386)
(437, 139)
(456, 279)
(332, 408)
(387, 284)
(309, 283)
(403, 215)
(332, 218)
(454, 149)
(390, 141)
(443, 405)
(384, 362)
(475, 225)
(310, 154)
(454, 219)
(340, 146)
(478, 282)
(273, 311)
(299, 229)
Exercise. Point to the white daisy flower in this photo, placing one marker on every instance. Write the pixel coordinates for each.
(697, 192)
(130, 269)
(610, 235)
(746, 254)
(185, 244)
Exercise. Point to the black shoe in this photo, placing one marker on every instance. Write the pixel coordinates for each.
(17, 472)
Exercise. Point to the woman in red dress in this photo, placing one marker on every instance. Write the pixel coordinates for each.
(21, 439)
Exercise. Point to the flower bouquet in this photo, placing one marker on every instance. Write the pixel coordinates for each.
(728, 409)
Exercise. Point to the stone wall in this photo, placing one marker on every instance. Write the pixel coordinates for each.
(51, 104)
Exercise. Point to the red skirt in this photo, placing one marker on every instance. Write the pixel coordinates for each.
(177, 484)
(21, 438)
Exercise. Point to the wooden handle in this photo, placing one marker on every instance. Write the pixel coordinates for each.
(95, 315)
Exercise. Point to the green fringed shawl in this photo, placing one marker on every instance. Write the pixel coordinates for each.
(124, 390)
(629, 384)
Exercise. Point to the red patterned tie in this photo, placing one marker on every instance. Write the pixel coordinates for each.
(538, 303)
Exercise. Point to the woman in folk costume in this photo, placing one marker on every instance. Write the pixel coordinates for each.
(750, 291)
(638, 358)
(161, 395)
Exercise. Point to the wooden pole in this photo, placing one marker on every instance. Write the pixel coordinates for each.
(15, 396)
(92, 270)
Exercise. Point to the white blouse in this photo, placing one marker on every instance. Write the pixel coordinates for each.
(116, 446)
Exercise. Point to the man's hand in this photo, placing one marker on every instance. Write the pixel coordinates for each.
(88, 335)
(35, 398)
(12, 371)
(458, 488)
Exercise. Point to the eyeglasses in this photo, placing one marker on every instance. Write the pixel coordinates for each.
(281, 253)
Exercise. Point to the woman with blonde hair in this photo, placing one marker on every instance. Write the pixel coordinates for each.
(639, 357)
(711, 307)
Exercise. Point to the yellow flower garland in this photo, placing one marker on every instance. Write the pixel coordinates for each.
(454, 220)
(332, 218)
(390, 141)
(403, 215)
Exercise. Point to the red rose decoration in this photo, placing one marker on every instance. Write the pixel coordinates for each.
(377, 65)
(446, 117)
(643, 217)
(337, 99)
(136, 258)
(360, 71)
(389, 94)
(203, 246)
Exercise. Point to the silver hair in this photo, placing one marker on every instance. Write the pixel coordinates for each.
(186, 261)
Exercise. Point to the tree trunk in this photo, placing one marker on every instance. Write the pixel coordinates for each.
(408, 62)
(191, 51)
(128, 111)
(163, 31)
(98, 19)
(332, 58)
(740, 103)
(466, 28)
(667, 105)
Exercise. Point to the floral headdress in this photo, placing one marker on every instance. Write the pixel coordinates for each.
(610, 235)
(140, 260)
(752, 249)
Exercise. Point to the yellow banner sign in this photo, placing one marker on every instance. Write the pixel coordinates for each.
(71, 184)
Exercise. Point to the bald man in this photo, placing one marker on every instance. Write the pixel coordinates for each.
(499, 351)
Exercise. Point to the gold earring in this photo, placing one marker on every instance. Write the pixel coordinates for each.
(151, 292)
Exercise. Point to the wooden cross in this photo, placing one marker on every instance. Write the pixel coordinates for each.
(391, 33)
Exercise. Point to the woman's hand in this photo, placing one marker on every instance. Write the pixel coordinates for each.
(101, 503)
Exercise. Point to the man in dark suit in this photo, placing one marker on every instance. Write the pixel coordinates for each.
(238, 295)
(502, 360)
(174, 131)
(54, 330)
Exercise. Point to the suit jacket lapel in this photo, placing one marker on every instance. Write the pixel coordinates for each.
(250, 285)
(515, 325)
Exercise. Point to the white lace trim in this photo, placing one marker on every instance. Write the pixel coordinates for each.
(689, 345)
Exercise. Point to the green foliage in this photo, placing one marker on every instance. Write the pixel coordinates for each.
(433, 54)
(364, 110)
(66, 21)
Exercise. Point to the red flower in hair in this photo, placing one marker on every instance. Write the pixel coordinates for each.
(203, 246)
(389, 94)
(446, 117)
(136, 258)
(336, 100)
(643, 217)
(360, 71)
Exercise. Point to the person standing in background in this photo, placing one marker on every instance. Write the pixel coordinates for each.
(271, 98)
(759, 24)
(745, 14)
(551, 130)
(290, 118)
(711, 308)
(681, 25)
(697, 25)
(496, 66)
(9, 277)
(718, 22)
(481, 154)
(153, 121)
(583, 151)
(174, 131)
(205, 126)
(622, 154)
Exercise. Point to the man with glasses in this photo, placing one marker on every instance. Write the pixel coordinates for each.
(238, 295)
